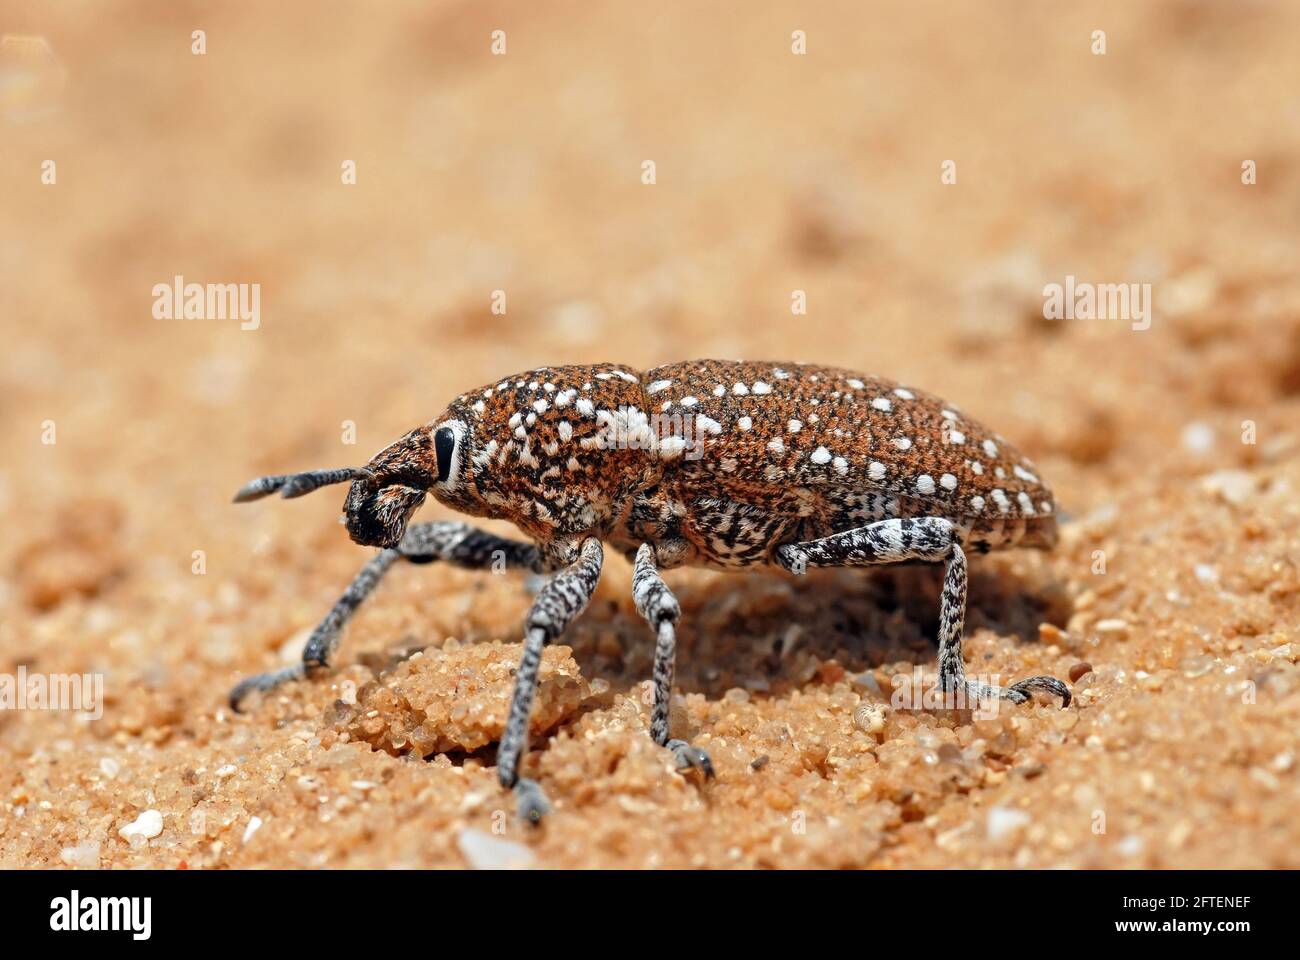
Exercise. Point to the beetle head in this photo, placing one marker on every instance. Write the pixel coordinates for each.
(389, 489)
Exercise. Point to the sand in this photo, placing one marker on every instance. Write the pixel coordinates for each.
(1171, 601)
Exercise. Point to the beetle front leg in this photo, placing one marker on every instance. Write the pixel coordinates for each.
(656, 603)
(562, 598)
(456, 543)
(922, 538)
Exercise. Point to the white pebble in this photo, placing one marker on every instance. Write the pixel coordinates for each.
(148, 825)
(1004, 821)
(1198, 437)
(83, 855)
(486, 852)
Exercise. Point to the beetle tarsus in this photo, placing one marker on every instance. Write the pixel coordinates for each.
(530, 801)
(262, 683)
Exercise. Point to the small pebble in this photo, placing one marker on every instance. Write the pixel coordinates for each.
(1079, 669)
(1198, 437)
(1004, 821)
(1131, 845)
(1234, 486)
(869, 717)
(83, 855)
(147, 825)
(1050, 633)
(486, 852)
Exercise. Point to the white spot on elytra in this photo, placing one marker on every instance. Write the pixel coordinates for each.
(956, 436)
(1000, 498)
(948, 482)
(794, 426)
(585, 407)
(856, 384)
(977, 504)
(1026, 504)
(688, 401)
(1024, 474)
(902, 443)
(991, 448)
(841, 466)
(925, 484)
(977, 468)
(740, 389)
(820, 455)
(658, 385)
(876, 470)
(707, 424)
(775, 445)
(760, 387)
(882, 404)
(904, 394)
(719, 390)
(566, 430)
(745, 423)
(670, 447)
(541, 406)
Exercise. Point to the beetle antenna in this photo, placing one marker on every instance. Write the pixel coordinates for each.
(293, 485)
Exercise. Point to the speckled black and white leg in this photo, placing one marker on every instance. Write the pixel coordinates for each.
(456, 543)
(932, 539)
(563, 597)
(656, 603)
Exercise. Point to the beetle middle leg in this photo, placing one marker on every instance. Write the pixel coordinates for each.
(656, 603)
(922, 538)
(457, 543)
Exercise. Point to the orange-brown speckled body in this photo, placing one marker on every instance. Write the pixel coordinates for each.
(718, 463)
(703, 462)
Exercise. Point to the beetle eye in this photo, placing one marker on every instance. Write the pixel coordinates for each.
(444, 442)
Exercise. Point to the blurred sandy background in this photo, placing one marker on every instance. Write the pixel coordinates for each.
(775, 173)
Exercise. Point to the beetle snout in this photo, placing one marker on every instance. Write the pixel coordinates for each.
(377, 514)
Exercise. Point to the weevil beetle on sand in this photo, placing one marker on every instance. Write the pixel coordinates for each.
(763, 464)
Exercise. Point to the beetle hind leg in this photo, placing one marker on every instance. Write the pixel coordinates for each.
(932, 539)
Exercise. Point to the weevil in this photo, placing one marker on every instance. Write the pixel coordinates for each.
(731, 465)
